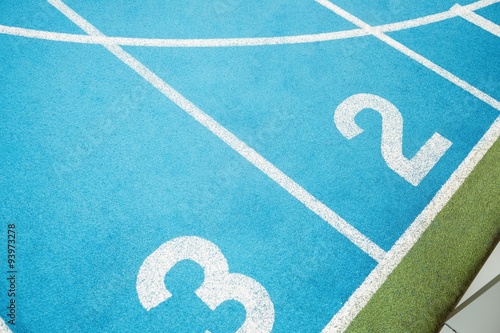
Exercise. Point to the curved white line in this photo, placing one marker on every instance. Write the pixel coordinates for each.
(161, 42)
(231, 42)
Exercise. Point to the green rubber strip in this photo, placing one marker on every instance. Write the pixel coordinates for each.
(436, 272)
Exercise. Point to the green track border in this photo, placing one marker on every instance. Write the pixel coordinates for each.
(436, 272)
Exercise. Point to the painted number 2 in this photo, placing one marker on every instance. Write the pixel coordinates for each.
(412, 170)
(219, 285)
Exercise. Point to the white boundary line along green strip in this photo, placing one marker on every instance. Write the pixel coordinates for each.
(377, 277)
(235, 42)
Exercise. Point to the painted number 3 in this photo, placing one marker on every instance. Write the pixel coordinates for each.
(219, 285)
(412, 170)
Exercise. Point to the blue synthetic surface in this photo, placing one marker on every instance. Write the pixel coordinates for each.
(99, 168)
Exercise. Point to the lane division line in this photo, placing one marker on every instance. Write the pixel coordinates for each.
(411, 54)
(476, 19)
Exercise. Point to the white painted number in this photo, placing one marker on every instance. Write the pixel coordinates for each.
(219, 285)
(412, 170)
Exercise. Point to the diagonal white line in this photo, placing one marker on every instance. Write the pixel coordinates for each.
(412, 54)
(3, 327)
(230, 139)
(433, 18)
(476, 19)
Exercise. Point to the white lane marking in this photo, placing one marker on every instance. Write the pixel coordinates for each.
(234, 42)
(476, 19)
(433, 18)
(412, 54)
(412, 170)
(3, 327)
(231, 140)
(378, 276)
(416, 22)
(218, 285)
(165, 42)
